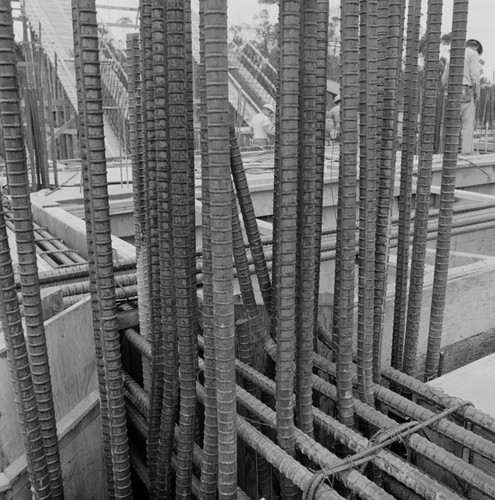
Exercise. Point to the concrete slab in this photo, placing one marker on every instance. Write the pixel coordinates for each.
(473, 382)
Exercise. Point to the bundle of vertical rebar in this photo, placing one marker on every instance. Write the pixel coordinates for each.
(259, 399)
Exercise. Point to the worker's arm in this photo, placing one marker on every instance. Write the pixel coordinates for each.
(269, 128)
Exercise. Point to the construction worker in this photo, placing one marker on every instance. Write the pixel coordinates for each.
(470, 93)
(332, 126)
(262, 128)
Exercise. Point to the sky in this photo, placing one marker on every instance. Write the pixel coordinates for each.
(481, 20)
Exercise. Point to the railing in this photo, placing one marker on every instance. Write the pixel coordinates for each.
(114, 86)
(254, 67)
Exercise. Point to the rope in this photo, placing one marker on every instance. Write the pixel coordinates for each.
(379, 441)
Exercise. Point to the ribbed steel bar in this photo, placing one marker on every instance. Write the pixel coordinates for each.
(93, 282)
(386, 172)
(209, 466)
(346, 211)
(159, 249)
(367, 194)
(47, 81)
(134, 91)
(126, 288)
(183, 247)
(439, 456)
(249, 219)
(384, 459)
(28, 139)
(216, 66)
(246, 355)
(423, 186)
(322, 19)
(40, 132)
(163, 487)
(20, 370)
(411, 410)
(191, 167)
(457, 433)
(285, 222)
(258, 326)
(17, 175)
(39, 151)
(306, 220)
(399, 490)
(148, 181)
(122, 293)
(89, 90)
(318, 454)
(155, 107)
(135, 394)
(282, 461)
(438, 398)
(447, 189)
(406, 177)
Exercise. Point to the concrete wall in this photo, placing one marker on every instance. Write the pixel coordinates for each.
(70, 346)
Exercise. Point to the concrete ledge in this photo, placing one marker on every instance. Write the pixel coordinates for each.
(68, 428)
(72, 230)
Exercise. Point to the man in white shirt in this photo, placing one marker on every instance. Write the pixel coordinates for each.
(470, 93)
(262, 129)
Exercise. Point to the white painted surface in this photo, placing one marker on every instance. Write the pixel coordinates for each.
(474, 382)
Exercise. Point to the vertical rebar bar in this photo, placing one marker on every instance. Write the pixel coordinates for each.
(157, 167)
(346, 211)
(306, 220)
(93, 283)
(367, 195)
(409, 141)
(423, 186)
(452, 127)
(209, 468)
(18, 182)
(20, 370)
(285, 230)
(386, 172)
(216, 62)
(321, 106)
(90, 95)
